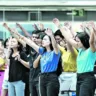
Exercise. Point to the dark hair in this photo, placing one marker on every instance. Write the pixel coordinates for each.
(58, 32)
(42, 36)
(59, 67)
(84, 38)
(5, 42)
(20, 47)
(37, 31)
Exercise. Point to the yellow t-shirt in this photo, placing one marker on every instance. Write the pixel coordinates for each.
(2, 62)
(68, 60)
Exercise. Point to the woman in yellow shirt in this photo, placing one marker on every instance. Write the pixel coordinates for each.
(68, 77)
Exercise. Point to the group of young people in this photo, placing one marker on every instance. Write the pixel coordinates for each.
(45, 62)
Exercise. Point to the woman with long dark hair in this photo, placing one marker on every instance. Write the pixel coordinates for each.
(17, 69)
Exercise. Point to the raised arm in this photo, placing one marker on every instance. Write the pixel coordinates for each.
(54, 44)
(66, 33)
(92, 40)
(28, 41)
(35, 27)
(23, 30)
(86, 28)
(41, 26)
(12, 31)
(70, 27)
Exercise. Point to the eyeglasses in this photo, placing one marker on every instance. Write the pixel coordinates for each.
(35, 37)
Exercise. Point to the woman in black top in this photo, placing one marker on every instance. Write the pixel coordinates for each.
(17, 69)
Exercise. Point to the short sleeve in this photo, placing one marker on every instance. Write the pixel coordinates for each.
(24, 56)
(41, 50)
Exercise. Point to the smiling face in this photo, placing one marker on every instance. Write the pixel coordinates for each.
(79, 42)
(58, 39)
(46, 41)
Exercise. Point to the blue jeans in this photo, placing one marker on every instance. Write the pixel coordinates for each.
(16, 88)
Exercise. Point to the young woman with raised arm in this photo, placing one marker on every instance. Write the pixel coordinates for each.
(50, 54)
(85, 60)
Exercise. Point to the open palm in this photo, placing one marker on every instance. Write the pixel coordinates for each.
(56, 22)
(49, 32)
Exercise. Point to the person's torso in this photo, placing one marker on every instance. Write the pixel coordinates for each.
(69, 61)
(85, 61)
(49, 61)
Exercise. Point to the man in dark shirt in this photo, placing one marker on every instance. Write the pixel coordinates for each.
(34, 72)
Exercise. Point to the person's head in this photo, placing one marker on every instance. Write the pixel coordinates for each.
(46, 41)
(58, 36)
(16, 45)
(83, 37)
(34, 35)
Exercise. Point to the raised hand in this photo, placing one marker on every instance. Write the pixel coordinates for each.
(14, 30)
(68, 25)
(8, 28)
(56, 22)
(49, 32)
(18, 25)
(35, 26)
(92, 24)
(5, 25)
(41, 26)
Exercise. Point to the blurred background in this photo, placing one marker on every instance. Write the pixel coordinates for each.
(28, 12)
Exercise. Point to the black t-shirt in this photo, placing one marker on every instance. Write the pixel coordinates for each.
(16, 69)
(34, 72)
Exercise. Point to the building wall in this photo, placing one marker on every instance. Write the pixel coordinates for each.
(44, 16)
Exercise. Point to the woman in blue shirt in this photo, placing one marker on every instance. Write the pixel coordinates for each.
(50, 55)
(85, 60)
